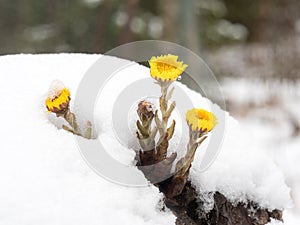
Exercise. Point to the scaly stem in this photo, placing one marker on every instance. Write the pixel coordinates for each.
(184, 164)
(71, 119)
(162, 124)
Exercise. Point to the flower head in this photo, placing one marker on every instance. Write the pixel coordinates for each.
(58, 99)
(166, 67)
(200, 119)
(145, 110)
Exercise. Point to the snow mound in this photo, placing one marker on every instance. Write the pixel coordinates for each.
(44, 178)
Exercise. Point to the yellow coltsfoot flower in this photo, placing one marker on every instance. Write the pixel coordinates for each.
(166, 67)
(58, 100)
(201, 120)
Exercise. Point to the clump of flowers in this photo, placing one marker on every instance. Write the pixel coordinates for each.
(58, 102)
(165, 70)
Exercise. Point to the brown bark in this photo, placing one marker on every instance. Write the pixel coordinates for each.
(182, 199)
(188, 210)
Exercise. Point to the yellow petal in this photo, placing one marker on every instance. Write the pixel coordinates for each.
(200, 119)
(60, 102)
(166, 67)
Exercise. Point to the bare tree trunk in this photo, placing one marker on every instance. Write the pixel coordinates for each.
(101, 27)
(126, 33)
(180, 23)
(169, 12)
(189, 35)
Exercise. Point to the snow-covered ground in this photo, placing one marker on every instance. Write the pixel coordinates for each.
(270, 110)
(45, 180)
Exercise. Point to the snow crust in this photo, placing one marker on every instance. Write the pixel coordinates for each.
(55, 88)
(44, 178)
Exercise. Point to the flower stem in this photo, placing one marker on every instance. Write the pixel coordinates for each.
(184, 164)
(166, 111)
(71, 119)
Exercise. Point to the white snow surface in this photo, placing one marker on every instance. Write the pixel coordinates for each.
(55, 88)
(45, 180)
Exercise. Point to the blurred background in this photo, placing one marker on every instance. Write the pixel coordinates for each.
(261, 37)
(251, 45)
